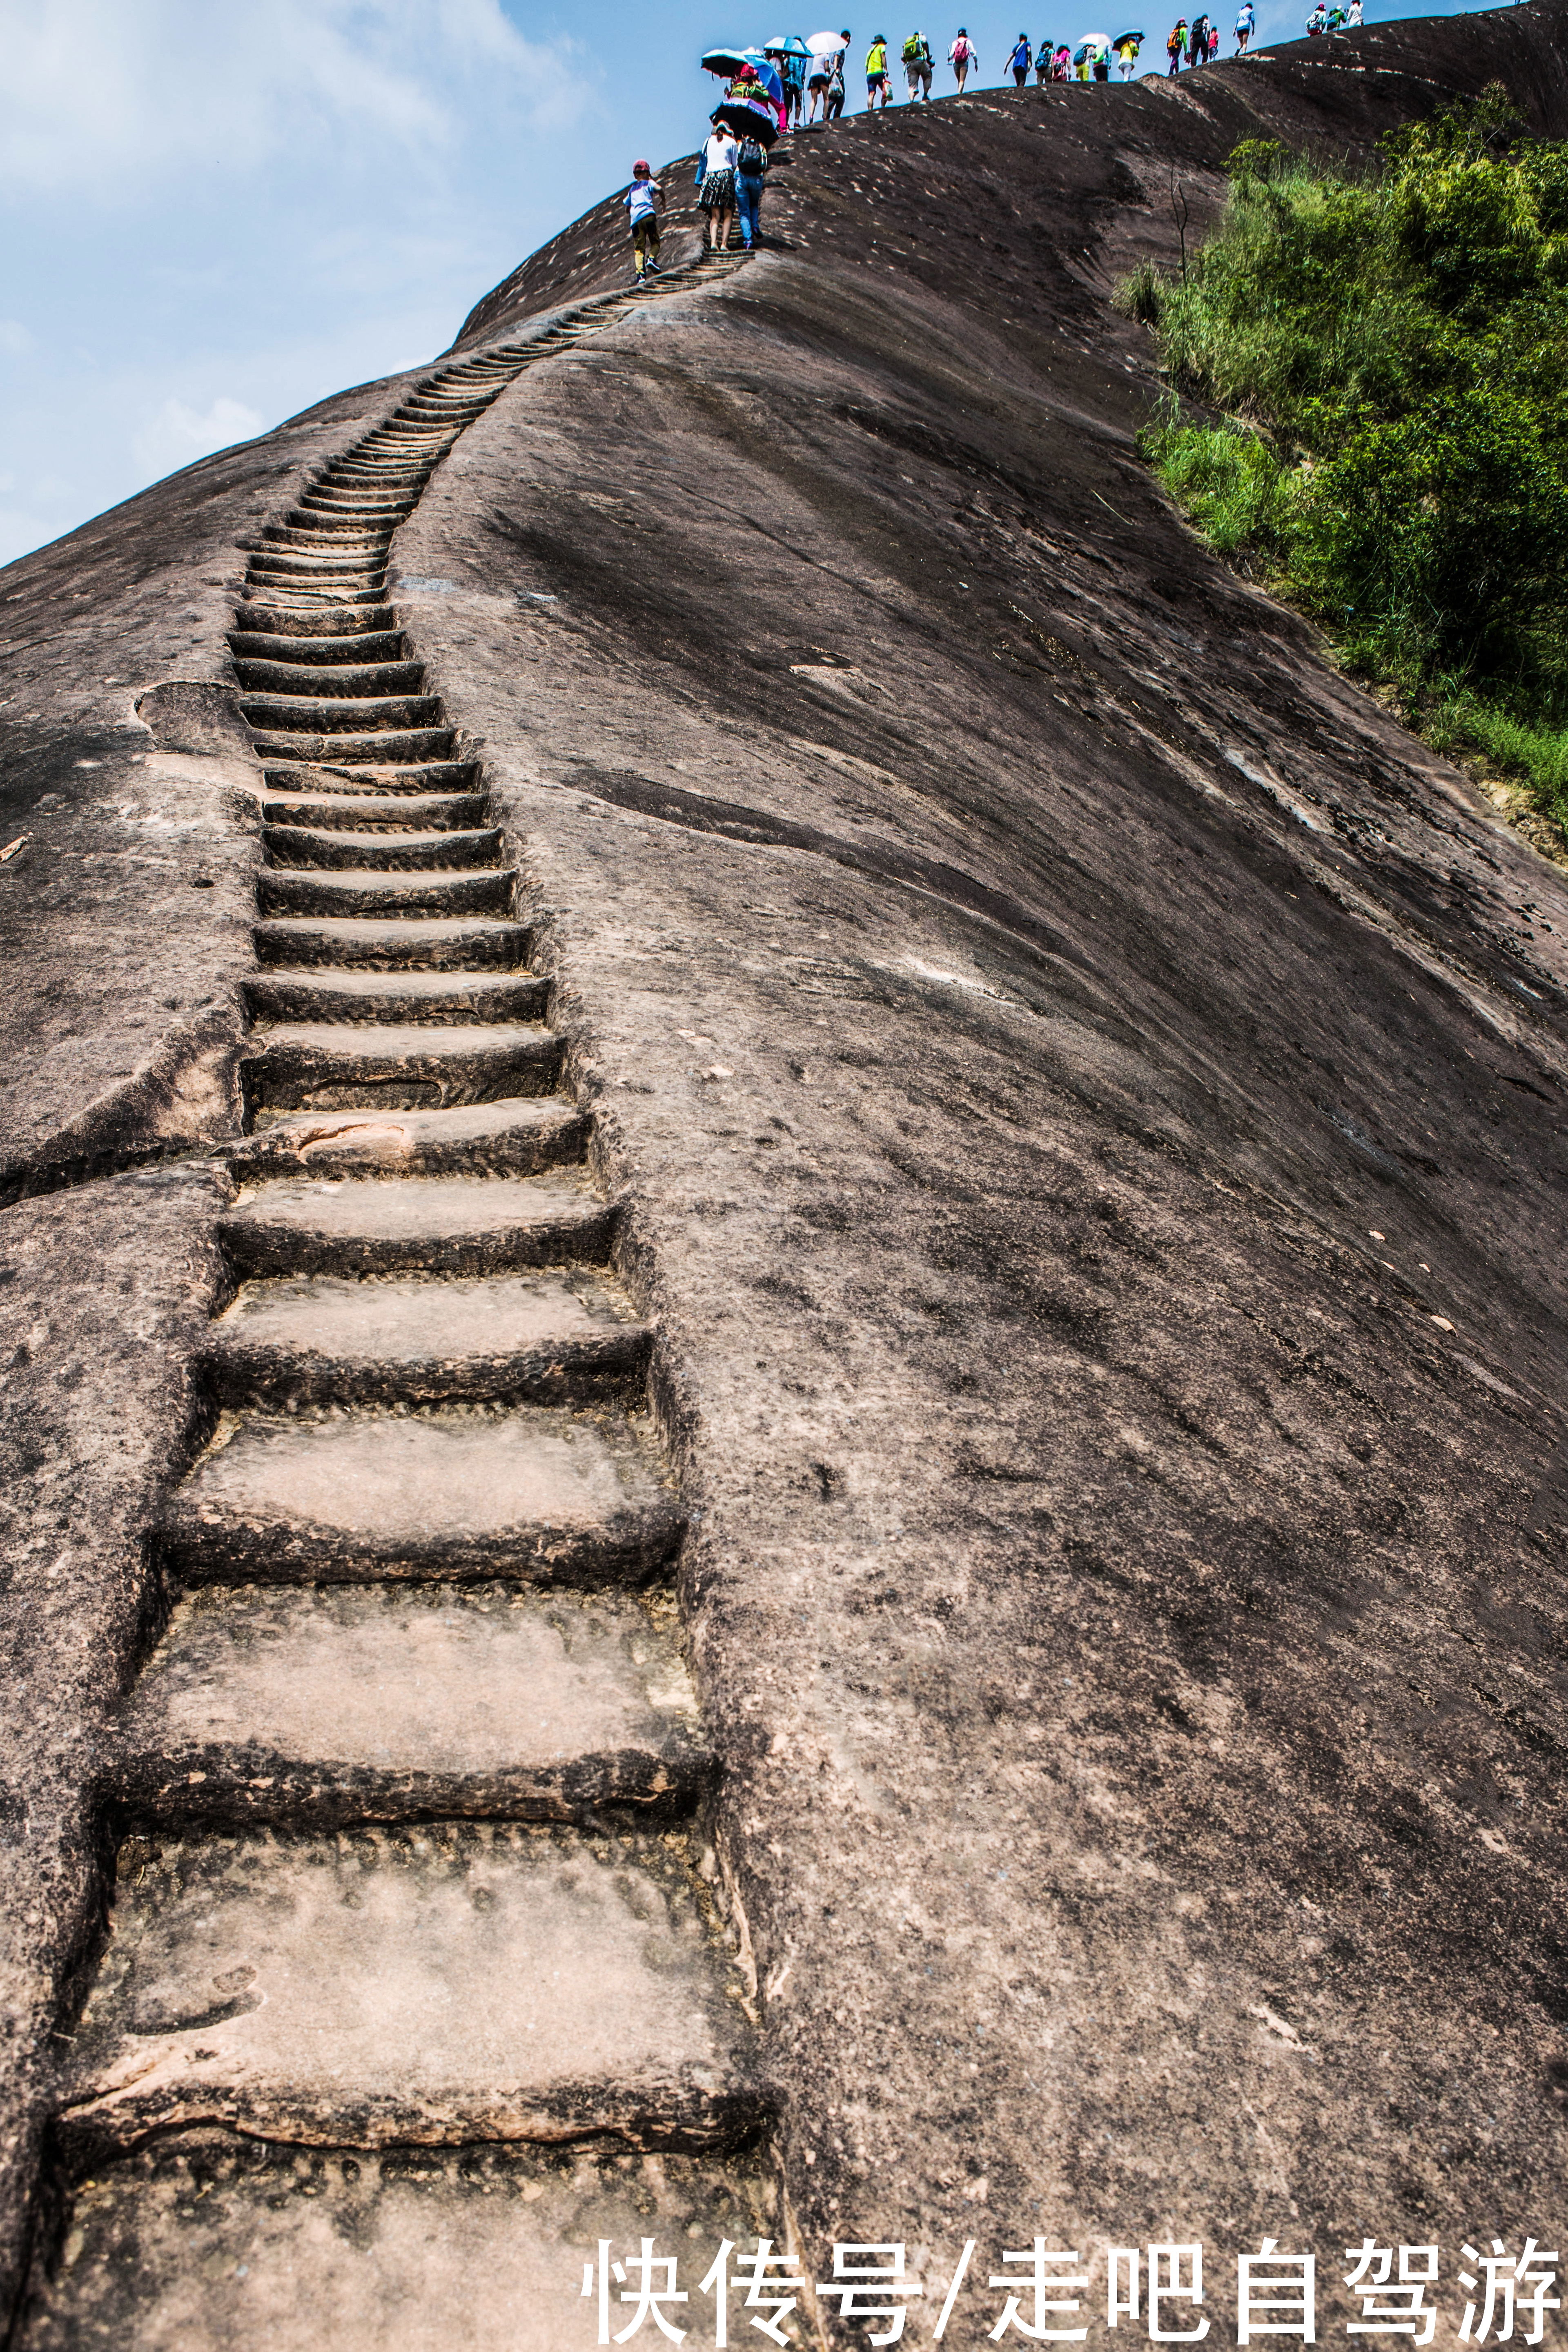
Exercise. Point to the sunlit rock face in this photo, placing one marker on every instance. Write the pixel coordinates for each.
(758, 1062)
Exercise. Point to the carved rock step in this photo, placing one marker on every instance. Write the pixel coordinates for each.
(450, 1983)
(461, 998)
(320, 714)
(302, 847)
(358, 646)
(393, 747)
(293, 597)
(523, 1492)
(394, 946)
(328, 498)
(285, 621)
(430, 776)
(315, 570)
(521, 1137)
(361, 678)
(352, 812)
(204, 2242)
(279, 891)
(357, 535)
(415, 1224)
(328, 1707)
(341, 1066)
(546, 1337)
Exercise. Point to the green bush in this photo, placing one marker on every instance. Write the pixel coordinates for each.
(1388, 350)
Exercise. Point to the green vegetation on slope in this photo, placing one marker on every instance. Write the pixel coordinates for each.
(1390, 354)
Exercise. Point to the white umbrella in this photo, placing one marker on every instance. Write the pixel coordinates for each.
(825, 44)
(1092, 41)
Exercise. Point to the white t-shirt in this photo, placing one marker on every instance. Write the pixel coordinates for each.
(719, 155)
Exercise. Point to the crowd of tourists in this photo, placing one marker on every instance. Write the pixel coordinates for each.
(793, 84)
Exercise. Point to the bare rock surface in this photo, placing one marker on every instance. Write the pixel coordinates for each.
(1074, 1094)
(416, 1986)
(275, 1704)
(465, 1493)
(203, 2246)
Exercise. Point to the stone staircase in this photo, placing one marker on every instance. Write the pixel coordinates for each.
(413, 1988)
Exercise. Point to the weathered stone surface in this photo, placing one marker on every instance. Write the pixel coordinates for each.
(392, 945)
(480, 1492)
(446, 1984)
(518, 1138)
(328, 1065)
(540, 1336)
(1087, 1092)
(320, 1224)
(105, 1292)
(205, 2244)
(438, 996)
(337, 1706)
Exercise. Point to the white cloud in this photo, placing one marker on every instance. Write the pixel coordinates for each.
(178, 435)
(97, 94)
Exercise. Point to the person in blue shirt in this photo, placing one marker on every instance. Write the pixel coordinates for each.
(1019, 61)
(642, 200)
(1246, 24)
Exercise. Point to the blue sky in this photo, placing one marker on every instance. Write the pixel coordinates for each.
(214, 212)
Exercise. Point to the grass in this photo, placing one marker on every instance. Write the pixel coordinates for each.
(1386, 351)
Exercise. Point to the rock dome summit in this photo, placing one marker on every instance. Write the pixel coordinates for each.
(783, 1310)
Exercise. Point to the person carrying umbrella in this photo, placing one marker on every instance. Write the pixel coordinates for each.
(835, 92)
(960, 57)
(1176, 46)
(818, 72)
(1127, 46)
(787, 53)
(919, 67)
(1019, 61)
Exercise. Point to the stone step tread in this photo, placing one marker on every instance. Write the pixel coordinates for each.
(322, 626)
(482, 889)
(448, 1982)
(394, 746)
(347, 1703)
(541, 1335)
(327, 712)
(394, 1040)
(328, 655)
(392, 944)
(523, 1492)
(521, 1136)
(355, 681)
(198, 2242)
(364, 778)
(410, 1207)
(436, 849)
(311, 995)
(344, 615)
(352, 812)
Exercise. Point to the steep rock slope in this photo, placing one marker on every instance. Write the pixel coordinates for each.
(1084, 1096)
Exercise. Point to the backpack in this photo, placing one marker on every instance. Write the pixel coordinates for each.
(749, 158)
(911, 50)
(962, 49)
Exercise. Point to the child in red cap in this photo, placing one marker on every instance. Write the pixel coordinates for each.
(641, 200)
